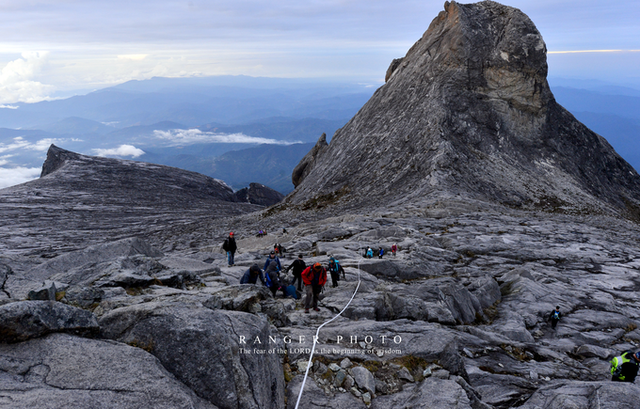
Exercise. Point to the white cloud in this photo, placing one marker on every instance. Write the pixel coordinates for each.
(9, 106)
(133, 57)
(191, 136)
(20, 143)
(14, 176)
(17, 79)
(122, 150)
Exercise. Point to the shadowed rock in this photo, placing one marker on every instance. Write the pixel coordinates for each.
(308, 162)
(259, 195)
(20, 321)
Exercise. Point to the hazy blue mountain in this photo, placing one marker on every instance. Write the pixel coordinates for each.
(286, 129)
(622, 133)
(580, 100)
(77, 126)
(196, 101)
(611, 111)
(270, 165)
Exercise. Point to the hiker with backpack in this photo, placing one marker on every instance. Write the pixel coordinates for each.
(272, 257)
(624, 368)
(334, 271)
(272, 279)
(252, 275)
(554, 317)
(230, 247)
(298, 267)
(380, 252)
(314, 277)
(394, 249)
(369, 253)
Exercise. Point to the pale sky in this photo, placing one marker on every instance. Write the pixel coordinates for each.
(54, 48)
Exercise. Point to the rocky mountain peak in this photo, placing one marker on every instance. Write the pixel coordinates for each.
(467, 115)
(56, 158)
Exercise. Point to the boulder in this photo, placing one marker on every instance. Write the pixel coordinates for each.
(364, 379)
(430, 393)
(313, 397)
(64, 371)
(577, 394)
(225, 356)
(23, 320)
(259, 194)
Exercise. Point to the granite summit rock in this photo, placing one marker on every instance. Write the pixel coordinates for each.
(468, 115)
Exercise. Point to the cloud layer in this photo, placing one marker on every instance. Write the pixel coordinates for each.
(122, 150)
(21, 143)
(14, 176)
(181, 137)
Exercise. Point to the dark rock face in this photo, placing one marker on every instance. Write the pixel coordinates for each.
(307, 163)
(20, 321)
(258, 194)
(468, 114)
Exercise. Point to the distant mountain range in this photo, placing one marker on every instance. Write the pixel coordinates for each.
(186, 122)
(196, 124)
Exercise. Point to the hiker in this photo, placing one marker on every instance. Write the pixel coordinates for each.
(624, 368)
(252, 275)
(380, 252)
(394, 249)
(314, 277)
(288, 290)
(335, 272)
(554, 317)
(298, 267)
(369, 253)
(230, 247)
(272, 279)
(272, 257)
(279, 250)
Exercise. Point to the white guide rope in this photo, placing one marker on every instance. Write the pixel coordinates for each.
(315, 339)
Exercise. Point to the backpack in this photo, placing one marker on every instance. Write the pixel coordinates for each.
(556, 315)
(616, 365)
(267, 279)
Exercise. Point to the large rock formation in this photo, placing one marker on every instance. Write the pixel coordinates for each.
(80, 200)
(259, 194)
(467, 114)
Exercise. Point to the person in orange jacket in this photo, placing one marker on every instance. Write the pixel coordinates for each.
(314, 278)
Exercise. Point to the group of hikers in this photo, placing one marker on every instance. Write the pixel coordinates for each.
(624, 368)
(313, 278)
(369, 253)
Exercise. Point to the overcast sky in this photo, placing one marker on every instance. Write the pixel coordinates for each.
(51, 47)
